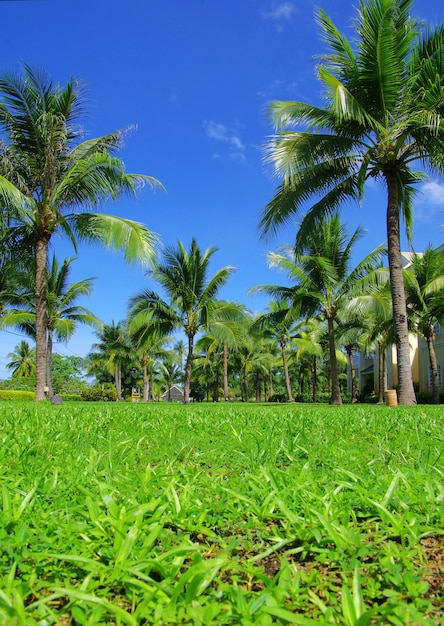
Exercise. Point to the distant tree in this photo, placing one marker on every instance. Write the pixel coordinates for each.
(276, 323)
(424, 280)
(63, 315)
(190, 292)
(169, 371)
(111, 352)
(322, 279)
(21, 361)
(46, 172)
(68, 373)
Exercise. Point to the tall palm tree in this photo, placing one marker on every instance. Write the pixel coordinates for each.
(277, 323)
(63, 315)
(22, 360)
(322, 279)
(47, 172)
(370, 313)
(382, 119)
(225, 330)
(149, 348)
(111, 352)
(424, 280)
(191, 296)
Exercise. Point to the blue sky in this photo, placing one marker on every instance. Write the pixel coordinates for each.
(193, 78)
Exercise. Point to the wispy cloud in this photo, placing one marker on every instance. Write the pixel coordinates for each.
(433, 193)
(430, 200)
(222, 134)
(279, 12)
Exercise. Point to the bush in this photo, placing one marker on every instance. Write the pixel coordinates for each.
(278, 397)
(72, 397)
(97, 394)
(12, 394)
(427, 398)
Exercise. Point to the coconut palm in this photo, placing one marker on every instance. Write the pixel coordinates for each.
(225, 332)
(111, 352)
(322, 279)
(47, 172)
(169, 371)
(22, 361)
(276, 323)
(424, 279)
(306, 337)
(149, 348)
(382, 119)
(191, 296)
(63, 315)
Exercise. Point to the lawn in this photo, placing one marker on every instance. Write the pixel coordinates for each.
(221, 514)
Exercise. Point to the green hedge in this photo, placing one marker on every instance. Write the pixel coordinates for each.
(97, 394)
(11, 394)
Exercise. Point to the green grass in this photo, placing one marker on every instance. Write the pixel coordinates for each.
(221, 514)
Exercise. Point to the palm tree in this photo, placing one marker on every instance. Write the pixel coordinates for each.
(191, 296)
(225, 330)
(149, 347)
(424, 280)
(169, 371)
(322, 279)
(111, 352)
(22, 361)
(383, 118)
(63, 314)
(276, 323)
(47, 172)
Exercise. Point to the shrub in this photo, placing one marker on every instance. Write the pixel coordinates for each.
(72, 397)
(97, 394)
(12, 394)
(278, 397)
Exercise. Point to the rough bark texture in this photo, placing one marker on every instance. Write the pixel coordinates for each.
(118, 380)
(286, 373)
(226, 392)
(49, 348)
(145, 378)
(406, 392)
(381, 374)
(188, 366)
(335, 389)
(315, 380)
(41, 253)
(434, 369)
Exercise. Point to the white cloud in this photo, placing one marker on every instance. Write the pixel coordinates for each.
(433, 193)
(219, 132)
(282, 11)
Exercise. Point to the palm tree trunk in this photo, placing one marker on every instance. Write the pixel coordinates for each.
(145, 378)
(226, 392)
(48, 364)
(351, 365)
(151, 384)
(118, 380)
(41, 254)
(286, 374)
(188, 367)
(434, 369)
(315, 380)
(335, 389)
(406, 392)
(381, 373)
(258, 387)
